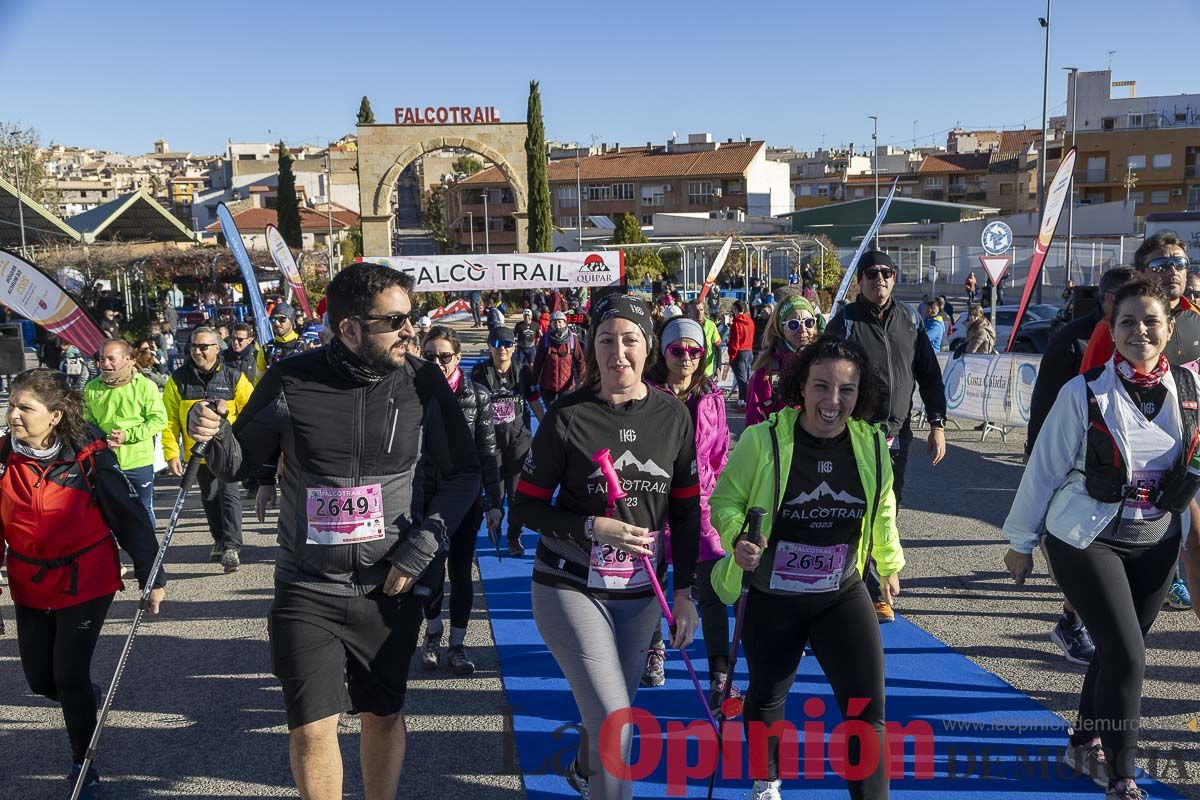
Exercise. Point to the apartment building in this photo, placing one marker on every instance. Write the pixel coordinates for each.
(699, 175)
(955, 177)
(1153, 168)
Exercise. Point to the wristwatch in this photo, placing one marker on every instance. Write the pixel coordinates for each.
(937, 422)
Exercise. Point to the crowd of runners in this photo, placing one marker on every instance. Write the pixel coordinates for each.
(384, 458)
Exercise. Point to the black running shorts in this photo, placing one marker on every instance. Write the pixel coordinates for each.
(323, 644)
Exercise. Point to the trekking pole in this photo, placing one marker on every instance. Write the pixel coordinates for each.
(185, 483)
(614, 509)
(752, 530)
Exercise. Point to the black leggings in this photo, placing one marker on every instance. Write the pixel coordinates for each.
(1117, 592)
(511, 461)
(844, 635)
(714, 619)
(460, 560)
(56, 652)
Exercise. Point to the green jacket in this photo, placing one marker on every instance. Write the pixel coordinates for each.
(753, 478)
(136, 408)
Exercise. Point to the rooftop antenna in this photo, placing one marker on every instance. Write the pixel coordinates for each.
(1110, 55)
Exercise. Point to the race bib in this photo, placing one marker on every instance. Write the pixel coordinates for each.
(504, 410)
(893, 443)
(611, 568)
(345, 516)
(806, 570)
(1147, 482)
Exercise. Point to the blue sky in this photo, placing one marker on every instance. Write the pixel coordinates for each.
(118, 75)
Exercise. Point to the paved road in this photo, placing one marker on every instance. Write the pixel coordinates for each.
(200, 715)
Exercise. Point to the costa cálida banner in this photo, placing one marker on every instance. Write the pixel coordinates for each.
(1056, 197)
(281, 254)
(477, 272)
(36, 296)
(863, 246)
(233, 240)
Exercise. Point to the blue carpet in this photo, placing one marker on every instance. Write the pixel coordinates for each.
(975, 716)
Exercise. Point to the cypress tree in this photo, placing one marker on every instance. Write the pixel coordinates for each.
(289, 205)
(540, 238)
(365, 115)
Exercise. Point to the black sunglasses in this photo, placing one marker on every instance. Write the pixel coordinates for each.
(203, 348)
(1167, 263)
(872, 273)
(395, 321)
(502, 343)
(281, 319)
(441, 358)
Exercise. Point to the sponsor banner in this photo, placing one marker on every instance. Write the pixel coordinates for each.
(863, 246)
(36, 296)
(281, 254)
(988, 388)
(478, 272)
(233, 239)
(455, 309)
(1056, 196)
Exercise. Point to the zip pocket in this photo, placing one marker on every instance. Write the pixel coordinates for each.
(395, 415)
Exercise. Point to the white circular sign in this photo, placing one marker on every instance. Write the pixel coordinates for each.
(997, 238)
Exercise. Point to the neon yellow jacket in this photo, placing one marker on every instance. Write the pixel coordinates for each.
(750, 478)
(183, 391)
(136, 408)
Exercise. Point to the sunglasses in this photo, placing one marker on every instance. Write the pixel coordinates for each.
(279, 320)
(794, 325)
(887, 273)
(240, 339)
(502, 344)
(442, 358)
(1168, 263)
(395, 321)
(680, 352)
(203, 348)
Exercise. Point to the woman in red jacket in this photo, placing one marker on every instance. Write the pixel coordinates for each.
(62, 499)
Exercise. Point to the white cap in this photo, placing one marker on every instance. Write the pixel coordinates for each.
(424, 322)
(670, 312)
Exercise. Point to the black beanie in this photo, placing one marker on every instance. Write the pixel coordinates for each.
(625, 306)
(874, 258)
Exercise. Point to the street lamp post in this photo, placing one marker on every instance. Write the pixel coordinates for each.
(471, 224)
(1071, 204)
(329, 209)
(578, 204)
(16, 154)
(875, 168)
(1045, 23)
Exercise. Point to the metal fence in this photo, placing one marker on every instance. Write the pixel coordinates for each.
(947, 266)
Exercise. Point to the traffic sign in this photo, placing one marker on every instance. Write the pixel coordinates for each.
(997, 238)
(996, 266)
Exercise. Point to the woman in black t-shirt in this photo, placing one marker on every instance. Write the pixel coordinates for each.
(822, 470)
(594, 605)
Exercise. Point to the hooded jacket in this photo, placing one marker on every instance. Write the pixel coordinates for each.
(754, 473)
(559, 366)
(712, 452)
(57, 520)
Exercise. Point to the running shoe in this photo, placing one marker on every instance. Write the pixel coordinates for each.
(1074, 640)
(578, 781)
(1179, 597)
(430, 652)
(654, 674)
(515, 548)
(766, 790)
(90, 785)
(230, 561)
(215, 554)
(884, 612)
(1124, 789)
(716, 690)
(1088, 760)
(456, 659)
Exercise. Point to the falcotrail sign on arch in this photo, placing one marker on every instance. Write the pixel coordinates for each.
(470, 272)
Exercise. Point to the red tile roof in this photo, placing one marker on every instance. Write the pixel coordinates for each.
(255, 220)
(1004, 159)
(636, 163)
(955, 162)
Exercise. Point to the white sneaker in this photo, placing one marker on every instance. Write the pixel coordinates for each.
(766, 790)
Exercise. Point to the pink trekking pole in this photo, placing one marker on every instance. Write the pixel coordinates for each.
(616, 509)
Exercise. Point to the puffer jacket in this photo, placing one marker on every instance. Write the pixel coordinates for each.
(57, 521)
(476, 404)
(712, 451)
(762, 395)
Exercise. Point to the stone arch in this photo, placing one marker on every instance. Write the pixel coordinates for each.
(386, 150)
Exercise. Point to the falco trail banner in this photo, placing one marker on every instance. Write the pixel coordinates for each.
(476, 271)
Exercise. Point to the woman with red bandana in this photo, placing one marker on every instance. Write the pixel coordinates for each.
(1107, 483)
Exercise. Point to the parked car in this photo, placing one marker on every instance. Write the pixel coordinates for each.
(1039, 324)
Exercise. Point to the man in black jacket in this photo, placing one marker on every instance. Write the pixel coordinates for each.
(356, 424)
(901, 357)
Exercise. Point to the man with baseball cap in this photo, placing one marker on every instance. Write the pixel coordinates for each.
(901, 357)
(286, 342)
(558, 366)
(526, 333)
